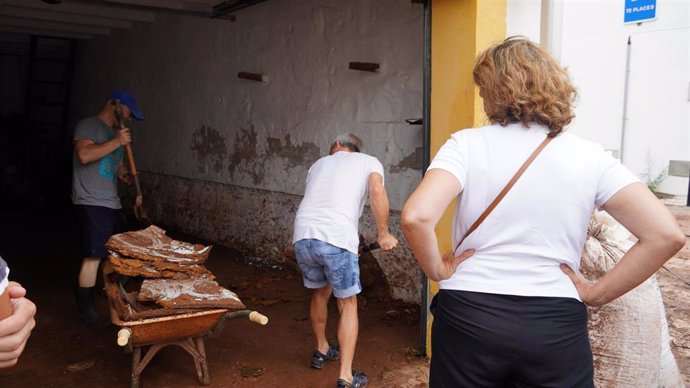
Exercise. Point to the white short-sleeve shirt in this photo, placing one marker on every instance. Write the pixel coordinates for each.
(4, 275)
(541, 222)
(334, 197)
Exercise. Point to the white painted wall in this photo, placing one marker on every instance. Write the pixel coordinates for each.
(657, 129)
(257, 140)
(593, 46)
(183, 71)
(523, 18)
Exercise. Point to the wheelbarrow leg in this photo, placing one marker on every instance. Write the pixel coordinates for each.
(204, 378)
(138, 364)
(195, 347)
(136, 357)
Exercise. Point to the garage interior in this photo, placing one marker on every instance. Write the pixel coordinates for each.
(239, 99)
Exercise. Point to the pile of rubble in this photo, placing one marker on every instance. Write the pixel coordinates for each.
(148, 274)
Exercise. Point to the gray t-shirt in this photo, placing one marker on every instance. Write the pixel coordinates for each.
(95, 183)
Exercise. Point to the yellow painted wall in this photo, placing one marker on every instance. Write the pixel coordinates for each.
(460, 29)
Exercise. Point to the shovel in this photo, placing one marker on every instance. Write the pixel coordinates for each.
(370, 247)
(139, 211)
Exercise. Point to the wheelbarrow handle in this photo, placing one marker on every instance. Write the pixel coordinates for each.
(259, 318)
(254, 316)
(123, 336)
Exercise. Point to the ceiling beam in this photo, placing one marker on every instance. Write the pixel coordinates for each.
(54, 16)
(176, 5)
(224, 9)
(86, 9)
(52, 26)
(38, 31)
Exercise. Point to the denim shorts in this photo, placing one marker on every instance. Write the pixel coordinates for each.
(324, 264)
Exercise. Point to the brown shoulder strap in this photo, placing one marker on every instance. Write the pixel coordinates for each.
(505, 190)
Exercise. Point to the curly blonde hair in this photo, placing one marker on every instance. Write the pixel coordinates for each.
(523, 83)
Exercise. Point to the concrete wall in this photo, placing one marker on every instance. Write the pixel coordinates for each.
(226, 158)
(590, 39)
(259, 222)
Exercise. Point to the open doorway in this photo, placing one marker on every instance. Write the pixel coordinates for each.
(223, 161)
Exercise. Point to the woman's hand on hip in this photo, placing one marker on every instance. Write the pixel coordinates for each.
(450, 262)
(584, 289)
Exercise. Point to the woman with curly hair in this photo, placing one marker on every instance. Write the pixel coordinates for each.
(511, 310)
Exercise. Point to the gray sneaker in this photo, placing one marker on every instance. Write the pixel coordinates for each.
(359, 380)
(319, 360)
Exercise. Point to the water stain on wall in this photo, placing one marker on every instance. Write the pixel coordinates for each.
(304, 154)
(246, 157)
(412, 161)
(259, 222)
(208, 145)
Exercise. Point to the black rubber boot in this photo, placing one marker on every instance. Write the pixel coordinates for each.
(87, 310)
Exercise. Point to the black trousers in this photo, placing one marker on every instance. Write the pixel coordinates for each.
(490, 340)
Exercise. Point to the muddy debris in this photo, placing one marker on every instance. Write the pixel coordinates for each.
(80, 366)
(391, 315)
(252, 372)
(269, 301)
(414, 352)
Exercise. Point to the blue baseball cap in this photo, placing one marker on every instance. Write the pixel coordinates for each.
(126, 99)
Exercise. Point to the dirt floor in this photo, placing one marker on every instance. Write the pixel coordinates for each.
(674, 281)
(62, 352)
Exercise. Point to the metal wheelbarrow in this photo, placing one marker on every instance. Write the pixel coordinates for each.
(145, 337)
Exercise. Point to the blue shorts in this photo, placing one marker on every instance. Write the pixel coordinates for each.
(324, 264)
(97, 224)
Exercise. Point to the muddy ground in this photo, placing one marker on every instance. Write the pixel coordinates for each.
(674, 280)
(62, 352)
(41, 249)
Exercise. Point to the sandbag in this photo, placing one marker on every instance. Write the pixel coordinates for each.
(629, 336)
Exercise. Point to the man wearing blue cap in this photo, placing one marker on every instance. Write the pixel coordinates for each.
(97, 165)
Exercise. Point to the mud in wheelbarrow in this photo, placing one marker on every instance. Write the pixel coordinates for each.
(146, 336)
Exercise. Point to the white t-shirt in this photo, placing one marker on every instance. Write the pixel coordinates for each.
(4, 275)
(543, 219)
(337, 188)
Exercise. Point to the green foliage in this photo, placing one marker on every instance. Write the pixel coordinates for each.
(654, 180)
(653, 183)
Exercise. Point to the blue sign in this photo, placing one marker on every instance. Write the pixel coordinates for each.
(637, 11)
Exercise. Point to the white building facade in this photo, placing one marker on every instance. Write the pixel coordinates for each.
(633, 79)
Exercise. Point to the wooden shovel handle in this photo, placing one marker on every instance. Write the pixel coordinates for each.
(130, 159)
(128, 147)
(135, 175)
